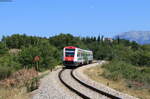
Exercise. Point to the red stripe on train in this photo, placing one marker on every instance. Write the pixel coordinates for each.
(70, 47)
(69, 58)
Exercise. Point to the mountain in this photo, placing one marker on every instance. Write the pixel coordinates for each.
(141, 37)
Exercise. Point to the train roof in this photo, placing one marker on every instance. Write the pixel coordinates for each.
(73, 47)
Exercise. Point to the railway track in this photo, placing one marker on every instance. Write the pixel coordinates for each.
(78, 87)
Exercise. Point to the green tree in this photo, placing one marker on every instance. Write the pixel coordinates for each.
(49, 56)
(3, 50)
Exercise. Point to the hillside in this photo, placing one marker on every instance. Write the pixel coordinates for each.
(141, 37)
(128, 60)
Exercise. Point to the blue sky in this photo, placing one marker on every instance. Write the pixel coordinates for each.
(78, 17)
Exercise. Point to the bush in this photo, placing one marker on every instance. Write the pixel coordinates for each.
(26, 56)
(10, 61)
(5, 72)
(104, 52)
(140, 58)
(8, 65)
(117, 69)
(3, 50)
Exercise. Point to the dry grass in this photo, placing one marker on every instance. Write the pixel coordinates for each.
(95, 74)
(19, 78)
(18, 84)
(13, 93)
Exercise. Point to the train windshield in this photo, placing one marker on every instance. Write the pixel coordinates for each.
(70, 49)
(69, 52)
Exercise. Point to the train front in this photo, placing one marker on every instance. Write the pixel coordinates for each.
(69, 56)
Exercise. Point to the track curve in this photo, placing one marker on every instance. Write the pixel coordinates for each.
(94, 89)
(83, 84)
(69, 87)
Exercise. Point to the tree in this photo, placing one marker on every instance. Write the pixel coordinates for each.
(49, 56)
(62, 40)
(99, 38)
(3, 49)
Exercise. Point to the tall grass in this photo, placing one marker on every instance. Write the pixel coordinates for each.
(13, 93)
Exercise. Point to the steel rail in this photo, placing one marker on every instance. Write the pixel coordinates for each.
(93, 88)
(70, 88)
(85, 85)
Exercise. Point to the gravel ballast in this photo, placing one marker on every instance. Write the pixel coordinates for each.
(66, 75)
(51, 88)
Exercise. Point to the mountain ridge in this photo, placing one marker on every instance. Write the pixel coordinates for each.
(141, 37)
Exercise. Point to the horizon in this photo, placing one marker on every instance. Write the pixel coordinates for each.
(100, 34)
(113, 35)
(79, 18)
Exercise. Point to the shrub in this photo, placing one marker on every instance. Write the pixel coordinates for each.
(117, 69)
(140, 58)
(104, 52)
(8, 65)
(10, 61)
(3, 50)
(5, 72)
(27, 55)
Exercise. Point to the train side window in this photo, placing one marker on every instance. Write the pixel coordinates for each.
(81, 54)
(78, 54)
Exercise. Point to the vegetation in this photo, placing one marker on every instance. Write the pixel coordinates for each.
(49, 57)
(136, 89)
(128, 60)
(117, 70)
(8, 65)
(18, 84)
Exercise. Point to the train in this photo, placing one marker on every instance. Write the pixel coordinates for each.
(74, 56)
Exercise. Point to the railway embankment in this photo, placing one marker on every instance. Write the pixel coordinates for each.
(121, 85)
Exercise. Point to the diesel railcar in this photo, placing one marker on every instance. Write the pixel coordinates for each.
(74, 56)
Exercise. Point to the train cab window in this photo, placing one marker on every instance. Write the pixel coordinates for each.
(69, 54)
(70, 49)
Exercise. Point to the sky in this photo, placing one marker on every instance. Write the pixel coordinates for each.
(79, 17)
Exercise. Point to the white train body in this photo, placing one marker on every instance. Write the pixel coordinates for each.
(73, 56)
